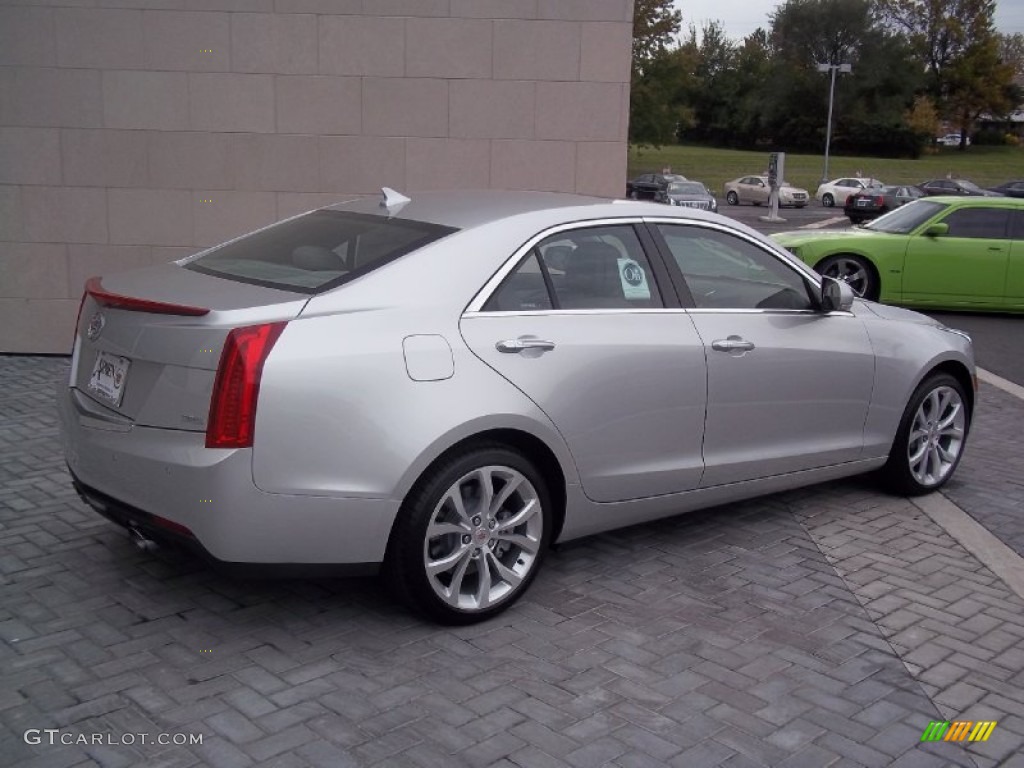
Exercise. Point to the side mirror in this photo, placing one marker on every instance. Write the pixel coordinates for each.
(836, 295)
(937, 230)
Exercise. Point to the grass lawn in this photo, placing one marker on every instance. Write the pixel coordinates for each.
(986, 166)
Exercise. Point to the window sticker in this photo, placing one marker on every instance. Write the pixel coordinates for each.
(634, 280)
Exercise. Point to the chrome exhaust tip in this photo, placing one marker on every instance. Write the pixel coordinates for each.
(141, 541)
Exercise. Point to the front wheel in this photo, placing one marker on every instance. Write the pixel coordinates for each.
(471, 536)
(854, 270)
(732, 198)
(828, 200)
(931, 437)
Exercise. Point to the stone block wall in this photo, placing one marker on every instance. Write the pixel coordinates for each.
(136, 131)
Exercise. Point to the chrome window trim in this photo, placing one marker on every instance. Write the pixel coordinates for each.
(477, 303)
(543, 312)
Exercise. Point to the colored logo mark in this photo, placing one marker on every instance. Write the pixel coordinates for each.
(958, 730)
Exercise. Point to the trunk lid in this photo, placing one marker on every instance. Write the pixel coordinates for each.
(149, 342)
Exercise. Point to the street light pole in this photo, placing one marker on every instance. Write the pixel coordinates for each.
(832, 69)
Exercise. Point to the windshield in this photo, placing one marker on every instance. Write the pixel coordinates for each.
(687, 188)
(316, 251)
(970, 185)
(905, 220)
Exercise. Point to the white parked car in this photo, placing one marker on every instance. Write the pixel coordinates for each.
(836, 191)
(951, 140)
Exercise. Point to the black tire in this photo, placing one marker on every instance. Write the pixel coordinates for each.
(429, 501)
(828, 200)
(732, 198)
(855, 270)
(898, 474)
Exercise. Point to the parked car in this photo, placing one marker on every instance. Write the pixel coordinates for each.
(872, 203)
(1010, 189)
(952, 140)
(755, 189)
(838, 190)
(650, 186)
(935, 252)
(690, 194)
(409, 384)
(954, 187)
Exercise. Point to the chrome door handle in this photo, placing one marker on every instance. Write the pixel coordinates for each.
(513, 346)
(732, 344)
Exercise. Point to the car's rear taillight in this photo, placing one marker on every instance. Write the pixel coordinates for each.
(879, 201)
(232, 419)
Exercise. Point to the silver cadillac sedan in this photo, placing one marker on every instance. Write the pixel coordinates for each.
(442, 387)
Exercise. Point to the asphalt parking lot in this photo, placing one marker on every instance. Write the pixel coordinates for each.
(823, 627)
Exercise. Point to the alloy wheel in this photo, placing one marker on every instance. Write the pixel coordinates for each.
(937, 435)
(483, 538)
(851, 271)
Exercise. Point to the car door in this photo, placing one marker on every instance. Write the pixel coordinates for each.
(788, 386)
(757, 190)
(967, 265)
(1014, 293)
(580, 325)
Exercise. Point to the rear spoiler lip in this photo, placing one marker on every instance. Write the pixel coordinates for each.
(105, 298)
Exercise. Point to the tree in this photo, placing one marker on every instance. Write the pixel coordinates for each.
(655, 25)
(1011, 52)
(958, 45)
(652, 118)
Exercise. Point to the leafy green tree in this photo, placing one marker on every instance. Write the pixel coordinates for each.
(958, 45)
(869, 104)
(652, 116)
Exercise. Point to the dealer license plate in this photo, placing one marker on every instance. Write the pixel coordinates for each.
(109, 375)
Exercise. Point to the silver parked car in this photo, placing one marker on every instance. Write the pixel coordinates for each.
(448, 385)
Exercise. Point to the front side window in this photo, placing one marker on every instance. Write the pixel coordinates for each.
(907, 218)
(317, 251)
(723, 271)
(591, 268)
(987, 223)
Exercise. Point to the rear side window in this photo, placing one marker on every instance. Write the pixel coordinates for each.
(988, 223)
(317, 251)
(591, 268)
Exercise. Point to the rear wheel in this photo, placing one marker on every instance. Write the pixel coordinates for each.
(931, 437)
(853, 270)
(471, 536)
(732, 198)
(828, 200)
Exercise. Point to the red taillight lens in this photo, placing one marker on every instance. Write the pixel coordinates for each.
(232, 419)
(850, 199)
(879, 201)
(118, 301)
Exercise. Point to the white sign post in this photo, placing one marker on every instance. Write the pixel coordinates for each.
(776, 175)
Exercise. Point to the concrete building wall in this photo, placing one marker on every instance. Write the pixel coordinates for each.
(135, 131)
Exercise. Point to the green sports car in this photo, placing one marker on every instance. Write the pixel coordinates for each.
(940, 252)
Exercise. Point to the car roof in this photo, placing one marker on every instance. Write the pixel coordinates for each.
(960, 200)
(464, 209)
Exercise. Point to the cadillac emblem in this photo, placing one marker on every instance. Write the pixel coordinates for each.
(95, 326)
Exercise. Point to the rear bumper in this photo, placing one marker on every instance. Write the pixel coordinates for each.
(139, 476)
(156, 529)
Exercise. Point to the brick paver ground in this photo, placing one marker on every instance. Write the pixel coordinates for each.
(824, 627)
(989, 484)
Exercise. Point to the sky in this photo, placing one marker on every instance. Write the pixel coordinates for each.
(741, 17)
